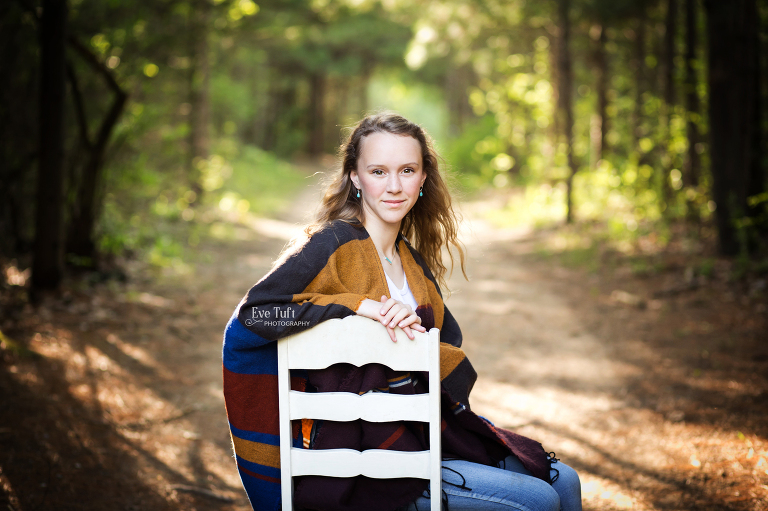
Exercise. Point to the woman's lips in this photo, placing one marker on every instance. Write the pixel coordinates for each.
(394, 202)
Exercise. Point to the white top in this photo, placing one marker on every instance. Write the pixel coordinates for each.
(404, 294)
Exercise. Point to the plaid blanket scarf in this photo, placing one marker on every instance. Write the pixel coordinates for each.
(328, 277)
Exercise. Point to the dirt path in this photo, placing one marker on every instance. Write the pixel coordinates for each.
(131, 385)
(660, 407)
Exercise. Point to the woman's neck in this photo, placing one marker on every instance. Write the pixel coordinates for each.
(383, 236)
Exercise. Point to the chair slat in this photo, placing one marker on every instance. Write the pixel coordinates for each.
(376, 463)
(355, 340)
(373, 407)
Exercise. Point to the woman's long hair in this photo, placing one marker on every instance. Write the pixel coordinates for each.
(430, 225)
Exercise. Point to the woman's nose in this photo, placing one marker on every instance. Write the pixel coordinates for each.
(393, 183)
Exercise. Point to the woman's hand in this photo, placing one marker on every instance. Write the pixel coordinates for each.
(392, 313)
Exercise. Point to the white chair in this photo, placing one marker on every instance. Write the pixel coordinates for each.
(358, 341)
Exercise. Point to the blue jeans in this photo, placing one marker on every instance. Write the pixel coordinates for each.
(473, 487)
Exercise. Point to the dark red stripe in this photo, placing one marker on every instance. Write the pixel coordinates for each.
(251, 401)
(258, 476)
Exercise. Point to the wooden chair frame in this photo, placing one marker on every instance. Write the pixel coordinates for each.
(359, 341)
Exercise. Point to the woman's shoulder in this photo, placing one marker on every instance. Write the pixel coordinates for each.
(324, 239)
(339, 232)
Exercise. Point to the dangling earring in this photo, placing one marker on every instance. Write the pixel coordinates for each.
(358, 193)
(421, 191)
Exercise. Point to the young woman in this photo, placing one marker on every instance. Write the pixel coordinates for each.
(376, 250)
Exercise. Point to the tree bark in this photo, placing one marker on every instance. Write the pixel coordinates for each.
(457, 81)
(565, 72)
(199, 94)
(600, 126)
(669, 99)
(758, 170)
(48, 256)
(316, 113)
(692, 163)
(363, 99)
(732, 29)
(641, 82)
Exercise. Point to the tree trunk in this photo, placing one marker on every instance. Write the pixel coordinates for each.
(668, 86)
(457, 80)
(641, 82)
(565, 72)
(199, 95)
(732, 30)
(316, 113)
(758, 169)
(48, 256)
(599, 127)
(692, 163)
(365, 80)
(268, 139)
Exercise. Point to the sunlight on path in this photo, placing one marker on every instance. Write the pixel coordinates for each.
(540, 370)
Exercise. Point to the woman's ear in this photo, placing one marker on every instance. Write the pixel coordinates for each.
(355, 180)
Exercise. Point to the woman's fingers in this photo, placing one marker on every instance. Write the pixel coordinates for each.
(391, 332)
(399, 315)
(387, 304)
(394, 314)
(418, 328)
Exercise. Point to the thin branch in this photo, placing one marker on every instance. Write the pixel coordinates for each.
(97, 65)
(77, 96)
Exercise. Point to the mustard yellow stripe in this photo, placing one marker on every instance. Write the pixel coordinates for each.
(450, 357)
(346, 279)
(256, 452)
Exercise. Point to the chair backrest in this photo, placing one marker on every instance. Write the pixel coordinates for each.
(358, 341)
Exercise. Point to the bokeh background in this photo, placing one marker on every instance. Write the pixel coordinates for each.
(634, 114)
(155, 155)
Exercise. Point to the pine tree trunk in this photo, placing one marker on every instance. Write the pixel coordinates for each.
(316, 113)
(565, 73)
(669, 100)
(457, 80)
(641, 83)
(600, 125)
(692, 163)
(48, 256)
(365, 80)
(758, 169)
(199, 94)
(732, 31)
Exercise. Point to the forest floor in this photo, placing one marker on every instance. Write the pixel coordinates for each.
(655, 390)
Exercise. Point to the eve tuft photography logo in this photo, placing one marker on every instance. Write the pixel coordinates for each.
(274, 317)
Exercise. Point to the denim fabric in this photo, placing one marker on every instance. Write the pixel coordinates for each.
(473, 487)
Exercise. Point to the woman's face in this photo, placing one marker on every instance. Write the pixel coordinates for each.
(389, 174)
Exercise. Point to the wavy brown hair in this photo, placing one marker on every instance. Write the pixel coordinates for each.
(430, 225)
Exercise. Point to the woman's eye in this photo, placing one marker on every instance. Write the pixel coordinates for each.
(378, 172)
(408, 170)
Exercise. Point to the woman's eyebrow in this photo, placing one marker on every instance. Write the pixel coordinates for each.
(412, 164)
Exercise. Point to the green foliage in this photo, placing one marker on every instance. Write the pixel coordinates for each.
(420, 102)
(480, 76)
(154, 216)
(252, 181)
